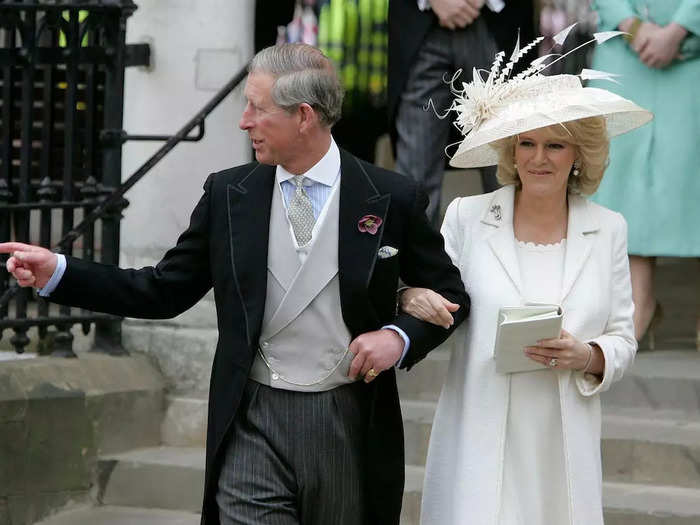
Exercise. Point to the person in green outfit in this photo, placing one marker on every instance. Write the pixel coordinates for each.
(654, 173)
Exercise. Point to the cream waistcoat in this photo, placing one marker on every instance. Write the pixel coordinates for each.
(304, 341)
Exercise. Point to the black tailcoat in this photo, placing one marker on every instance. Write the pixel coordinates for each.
(225, 247)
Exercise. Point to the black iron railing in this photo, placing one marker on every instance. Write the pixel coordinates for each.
(61, 109)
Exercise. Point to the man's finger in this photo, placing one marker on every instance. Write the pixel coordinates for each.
(460, 21)
(11, 264)
(31, 257)
(23, 273)
(26, 282)
(366, 367)
(469, 12)
(9, 247)
(356, 366)
(447, 24)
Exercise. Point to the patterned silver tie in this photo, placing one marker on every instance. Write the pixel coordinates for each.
(300, 212)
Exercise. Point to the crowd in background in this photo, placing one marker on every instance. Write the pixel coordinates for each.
(394, 56)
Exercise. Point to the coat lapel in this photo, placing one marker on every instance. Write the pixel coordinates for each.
(357, 251)
(581, 230)
(499, 215)
(249, 203)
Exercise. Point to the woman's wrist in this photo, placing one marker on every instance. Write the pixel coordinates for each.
(589, 359)
(596, 366)
(630, 26)
(677, 31)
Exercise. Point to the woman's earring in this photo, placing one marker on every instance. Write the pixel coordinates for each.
(576, 172)
(515, 165)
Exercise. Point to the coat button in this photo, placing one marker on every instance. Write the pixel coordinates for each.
(275, 377)
(264, 344)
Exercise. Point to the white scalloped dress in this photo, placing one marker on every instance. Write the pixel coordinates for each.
(535, 489)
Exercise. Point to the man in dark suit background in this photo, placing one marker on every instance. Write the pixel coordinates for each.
(429, 40)
(304, 249)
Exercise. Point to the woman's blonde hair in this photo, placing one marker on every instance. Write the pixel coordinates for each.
(590, 138)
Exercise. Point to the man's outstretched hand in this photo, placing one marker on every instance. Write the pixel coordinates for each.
(30, 265)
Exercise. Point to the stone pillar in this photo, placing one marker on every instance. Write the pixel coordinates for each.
(196, 48)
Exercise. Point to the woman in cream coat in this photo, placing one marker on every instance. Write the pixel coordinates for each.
(524, 448)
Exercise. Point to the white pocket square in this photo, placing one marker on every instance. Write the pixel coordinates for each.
(386, 251)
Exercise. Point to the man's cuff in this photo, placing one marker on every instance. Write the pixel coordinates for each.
(406, 341)
(424, 5)
(495, 5)
(56, 277)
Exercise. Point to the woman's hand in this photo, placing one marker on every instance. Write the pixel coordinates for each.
(429, 306)
(566, 353)
(658, 46)
(643, 35)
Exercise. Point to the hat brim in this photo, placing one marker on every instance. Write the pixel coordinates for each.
(621, 116)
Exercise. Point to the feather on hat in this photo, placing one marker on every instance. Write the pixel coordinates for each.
(500, 106)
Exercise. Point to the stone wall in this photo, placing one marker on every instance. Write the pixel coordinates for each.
(57, 416)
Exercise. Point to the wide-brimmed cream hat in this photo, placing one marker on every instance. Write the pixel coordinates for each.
(500, 107)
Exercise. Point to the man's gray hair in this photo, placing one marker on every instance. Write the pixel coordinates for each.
(302, 74)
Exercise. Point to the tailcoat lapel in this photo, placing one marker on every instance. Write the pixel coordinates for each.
(357, 251)
(499, 215)
(249, 203)
(581, 229)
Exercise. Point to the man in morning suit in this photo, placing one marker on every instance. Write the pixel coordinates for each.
(304, 249)
(430, 40)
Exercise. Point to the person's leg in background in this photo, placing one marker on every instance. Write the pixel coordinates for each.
(647, 311)
(421, 135)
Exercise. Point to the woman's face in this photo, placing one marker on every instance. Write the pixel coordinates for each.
(543, 162)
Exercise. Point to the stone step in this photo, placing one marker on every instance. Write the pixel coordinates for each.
(185, 420)
(158, 477)
(633, 504)
(183, 355)
(634, 449)
(666, 381)
(623, 503)
(650, 450)
(112, 515)
(424, 381)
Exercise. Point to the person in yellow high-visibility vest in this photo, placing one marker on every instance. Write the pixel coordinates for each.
(354, 35)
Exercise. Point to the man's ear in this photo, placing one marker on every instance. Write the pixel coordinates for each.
(309, 117)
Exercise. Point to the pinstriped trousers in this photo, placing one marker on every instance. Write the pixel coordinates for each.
(295, 458)
(422, 135)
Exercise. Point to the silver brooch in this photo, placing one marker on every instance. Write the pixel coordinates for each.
(496, 210)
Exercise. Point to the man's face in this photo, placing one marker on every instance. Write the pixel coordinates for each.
(272, 130)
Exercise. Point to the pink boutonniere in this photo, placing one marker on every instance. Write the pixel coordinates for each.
(369, 224)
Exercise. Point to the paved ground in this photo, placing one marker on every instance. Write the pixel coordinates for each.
(678, 291)
(122, 516)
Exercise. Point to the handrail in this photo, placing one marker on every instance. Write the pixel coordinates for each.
(113, 199)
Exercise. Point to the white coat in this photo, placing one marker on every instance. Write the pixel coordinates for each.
(464, 468)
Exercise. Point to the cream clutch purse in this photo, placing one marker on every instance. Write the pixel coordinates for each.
(521, 326)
